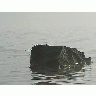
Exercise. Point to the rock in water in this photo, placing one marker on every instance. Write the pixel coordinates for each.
(60, 59)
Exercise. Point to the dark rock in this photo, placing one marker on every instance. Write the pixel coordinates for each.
(60, 59)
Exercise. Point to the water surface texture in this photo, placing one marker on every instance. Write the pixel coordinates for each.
(16, 40)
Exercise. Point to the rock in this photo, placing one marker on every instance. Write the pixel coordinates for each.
(60, 59)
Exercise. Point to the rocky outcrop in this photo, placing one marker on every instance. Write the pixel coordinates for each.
(60, 59)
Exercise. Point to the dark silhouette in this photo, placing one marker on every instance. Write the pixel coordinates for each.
(47, 59)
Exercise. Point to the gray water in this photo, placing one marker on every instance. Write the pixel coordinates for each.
(15, 61)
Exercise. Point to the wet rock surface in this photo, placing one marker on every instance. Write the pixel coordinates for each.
(57, 59)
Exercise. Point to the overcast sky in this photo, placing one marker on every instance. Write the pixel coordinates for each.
(46, 20)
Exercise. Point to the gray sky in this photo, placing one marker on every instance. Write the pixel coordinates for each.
(46, 20)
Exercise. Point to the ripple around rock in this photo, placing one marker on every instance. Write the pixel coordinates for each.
(57, 59)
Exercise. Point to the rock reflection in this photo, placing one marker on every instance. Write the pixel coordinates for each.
(55, 65)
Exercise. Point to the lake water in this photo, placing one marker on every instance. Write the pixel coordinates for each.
(15, 61)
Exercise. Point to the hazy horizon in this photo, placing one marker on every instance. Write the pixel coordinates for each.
(41, 20)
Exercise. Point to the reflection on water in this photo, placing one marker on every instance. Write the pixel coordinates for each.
(53, 65)
(53, 78)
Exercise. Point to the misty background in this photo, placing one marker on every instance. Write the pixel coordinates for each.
(46, 20)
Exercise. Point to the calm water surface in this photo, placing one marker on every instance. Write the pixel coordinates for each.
(15, 61)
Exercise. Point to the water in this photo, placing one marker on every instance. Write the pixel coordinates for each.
(15, 61)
